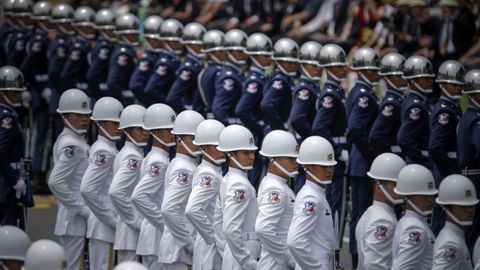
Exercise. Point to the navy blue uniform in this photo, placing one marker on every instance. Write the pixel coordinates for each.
(203, 97)
(228, 89)
(248, 111)
(277, 100)
(57, 53)
(162, 79)
(331, 123)
(77, 65)
(16, 47)
(180, 95)
(120, 69)
(11, 152)
(362, 112)
(384, 130)
(140, 76)
(414, 131)
(97, 73)
(304, 104)
(5, 32)
(468, 147)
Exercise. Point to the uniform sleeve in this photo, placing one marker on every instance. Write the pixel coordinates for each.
(302, 227)
(98, 169)
(183, 84)
(7, 127)
(139, 80)
(234, 214)
(120, 70)
(378, 245)
(36, 53)
(446, 256)
(67, 161)
(442, 129)
(246, 108)
(100, 58)
(271, 104)
(202, 195)
(382, 127)
(271, 207)
(411, 247)
(120, 191)
(160, 81)
(144, 196)
(301, 104)
(218, 225)
(324, 120)
(476, 139)
(173, 210)
(408, 134)
(359, 121)
(226, 91)
(73, 66)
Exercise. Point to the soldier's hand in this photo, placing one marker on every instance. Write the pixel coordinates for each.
(20, 188)
(26, 98)
(46, 93)
(344, 156)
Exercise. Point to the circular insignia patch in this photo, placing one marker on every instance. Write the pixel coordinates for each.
(303, 95)
(75, 56)
(132, 164)
(278, 84)
(309, 208)
(206, 182)
(69, 151)
(143, 66)
(122, 60)
(7, 123)
(228, 84)
(327, 102)
(414, 113)
(363, 102)
(185, 75)
(161, 70)
(388, 110)
(239, 195)
(154, 170)
(443, 118)
(182, 178)
(100, 160)
(449, 254)
(380, 232)
(415, 238)
(274, 197)
(103, 54)
(252, 88)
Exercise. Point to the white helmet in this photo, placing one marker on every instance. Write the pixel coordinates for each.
(415, 179)
(107, 109)
(208, 132)
(159, 116)
(45, 254)
(236, 137)
(130, 266)
(457, 189)
(187, 122)
(386, 167)
(74, 101)
(132, 116)
(316, 150)
(279, 143)
(13, 243)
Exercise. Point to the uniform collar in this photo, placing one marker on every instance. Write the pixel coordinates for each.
(169, 53)
(196, 58)
(306, 79)
(365, 84)
(211, 165)
(395, 93)
(185, 157)
(257, 70)
(107, 141)
(415, 215)
(384, 206)
(72, 133)
(234, 67)
(455, 228)
(333, 83)
(315, 186)
(7, 106)
(213, 63)
(160, 151)
(449, 100)
(236, 171)
(276, 178)
(418, 94)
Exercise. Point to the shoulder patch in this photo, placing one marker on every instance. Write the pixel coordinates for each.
(161, 70)
(415, 238)
(206, 182)
(274, 197)
(100, 159)
(103, 53)
(414, 113)
(122, 60)
(309, 208)
(61, 52)
(69, 151)
(182, 178)
(132, 164)
(327, 102)
(363, 102)
(143, 66)
(388, 110)
(75, 55)
(277, 84)
(20, 45)
(228, 84)
(154, 170)
(239, 195)
(252, 87)
(449, 254)
(380, 232)
(7, 123)
(185, 75)
(443, 118)
(37, 46)
(303, 94)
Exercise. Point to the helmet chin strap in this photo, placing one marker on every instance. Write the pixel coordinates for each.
(426, 91)
(392, 85)
(235, 60)
(87, 36)
(293, 73)
(323, 182)
(452, 97)
(192, 52)
(214, 58)
(171, 49)
(365, 79)
(164, 143)
(456, 220)
(418, 210)
(17, 104)
(107, 37)
(190, 151)
(70, 126)
(126, 40)
(388, 196)
(313, 78)
(139, 144)
(150, 47)
(218, 161)
(335, 76)
(65, 30)
(475, 103)
(239, 165)
(255, 61)
(281, 168)
(105, 132)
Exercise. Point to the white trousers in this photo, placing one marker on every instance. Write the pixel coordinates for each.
(73, 246)
(98, 252)
(175, 266)
(126, 255)
(151, 262)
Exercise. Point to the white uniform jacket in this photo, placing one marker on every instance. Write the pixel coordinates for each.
(450, 250)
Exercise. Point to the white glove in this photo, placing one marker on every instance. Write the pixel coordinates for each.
(344, 156)
(46, 93)
(26, 98)
(20, 188)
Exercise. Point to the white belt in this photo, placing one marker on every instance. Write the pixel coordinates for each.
(233, 120)
(250, 236)
(339, 140)
(103, 86)
(467, 172)
(41, 77)
(15, 165)
(127, 93)
(395, 149)
(82, 86)
(424, 153)
(452, 154)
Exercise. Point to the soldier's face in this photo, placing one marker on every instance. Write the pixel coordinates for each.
(154, 42)
(78, 121)
(389, 186)
(313, 70)
(372, 75)
(463, 213)
(339, 71)
(245, 157)
(424, 202)
(86, 30)
(239, 55)
(197, 48)
(13, 264)
(288, 65)
(107, 33)
(65, 26)
(453, 89)
(397, 80)
(45, 24)
(220, 55)
(425, 82)
(13, 96)
(173, 45)
(476, 97)
(212, 151)
(25, 21)
(323, 173)
(165, 135)
(111, 127)
(264, 60)
(188, 140)
(289, 163)
(138, 134)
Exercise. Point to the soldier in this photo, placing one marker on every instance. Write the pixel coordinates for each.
(16, 44)
(276, 101)
(45, 254)
(144, 69)
(413, 239)
(228, 87)
(181, 93)
(414, 129)
(362, 110)
(126, 169)
(259, 49)
(307, 89)
(238, 200)
(311, 237)
(148, 194)
(177, 243)
(14, 244)
(70, 157)
(384, 130)
(96, 182)
(276, 200)
(6, 29)
(215, 56)
(458, 198)
(376, 227)
(201, 203)
(161, 81)
(123, 58)
(97, 73)
(468, 144)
